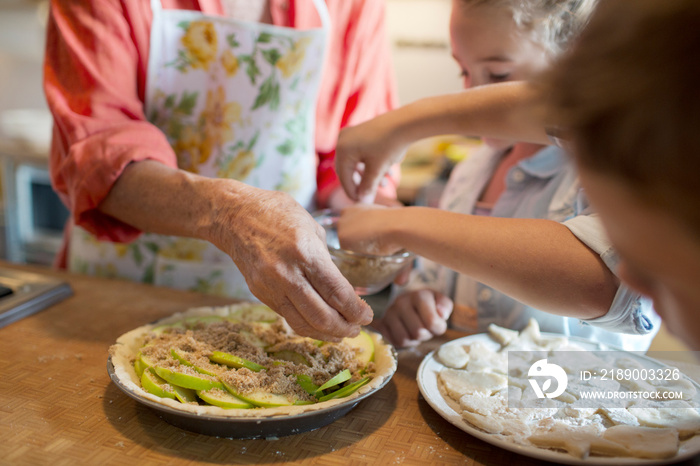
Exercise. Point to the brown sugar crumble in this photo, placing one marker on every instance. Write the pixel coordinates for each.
(258, 342)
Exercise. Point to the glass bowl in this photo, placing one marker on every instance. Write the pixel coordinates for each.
(367, 273)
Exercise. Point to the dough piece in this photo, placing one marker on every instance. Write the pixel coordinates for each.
(528, 339)
(567, 397)
(458, 383)
(573, 362)
(502, 335)
(577, 441)
(517, 428)
(692, 444)
(685, 419)
(620, 416)
(645, 442)
(484, 405)
(454, 356)
(484, 359)
(682, 385)
(577, 413)
(490, 425)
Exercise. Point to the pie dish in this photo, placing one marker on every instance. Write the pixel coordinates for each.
(238, 423)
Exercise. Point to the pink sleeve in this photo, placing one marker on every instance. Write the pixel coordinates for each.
(94, 80)
(358, 83)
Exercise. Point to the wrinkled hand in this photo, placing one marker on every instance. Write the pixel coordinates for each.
(415, 317)
(367, 152)
(281, 251)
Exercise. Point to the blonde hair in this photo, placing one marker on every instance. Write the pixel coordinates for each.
(627, 96)
(552, 23)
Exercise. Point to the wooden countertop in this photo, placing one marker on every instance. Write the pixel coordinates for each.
(58, 405)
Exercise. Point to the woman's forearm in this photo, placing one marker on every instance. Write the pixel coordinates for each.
(159, 199)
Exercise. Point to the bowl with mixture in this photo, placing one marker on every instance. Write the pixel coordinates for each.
(367, 273)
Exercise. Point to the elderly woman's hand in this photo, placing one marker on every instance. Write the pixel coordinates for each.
(281, 251)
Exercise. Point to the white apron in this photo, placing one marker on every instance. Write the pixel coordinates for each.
(236, 100)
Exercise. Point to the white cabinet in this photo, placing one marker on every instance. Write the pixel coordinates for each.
(420, 40)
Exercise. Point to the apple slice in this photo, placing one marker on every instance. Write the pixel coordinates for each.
(139, 367)
(181, 379)
(190, 322)
(155, 385)
(232, 360)
(255, 313)
(223, 399)
(185, 395)
(307, 384)
(337, 379)
(260, 398)
(304, 402)
(345, 391)
(365, 346)
(253, 339)
(291, 356)
(147, 361)
(184, 359)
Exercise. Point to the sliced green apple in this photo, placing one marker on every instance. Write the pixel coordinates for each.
(139, 367)
(190, 322)
(303, 402)
(223, 399)
(345, 391)
(155, 385)
(147, 361)
(291, 356)
(253, 339)
(261, 398)
(184, 359)
(182, 379)
(185, 395)
(307, 384)
(337, 379)
(255, 313)
(364, 343)
(232, 360)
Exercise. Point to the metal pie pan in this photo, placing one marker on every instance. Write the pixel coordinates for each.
(248, 427)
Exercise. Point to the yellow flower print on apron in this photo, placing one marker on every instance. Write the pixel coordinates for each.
(236, 99)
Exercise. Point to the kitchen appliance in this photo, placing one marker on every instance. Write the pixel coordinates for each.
(33, 215)
(25, 293)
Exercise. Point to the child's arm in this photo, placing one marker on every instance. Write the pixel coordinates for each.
(415, 317)
(510, 111)
(538, 262)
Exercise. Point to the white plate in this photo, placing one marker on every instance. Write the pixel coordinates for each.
(427, 378)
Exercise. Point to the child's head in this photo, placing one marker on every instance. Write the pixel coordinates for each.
(507, 40)
(628, 98)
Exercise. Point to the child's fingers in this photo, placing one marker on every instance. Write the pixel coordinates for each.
(425, 305)
(413, 324)
(404, 275)
(398, 335)
(444, 305)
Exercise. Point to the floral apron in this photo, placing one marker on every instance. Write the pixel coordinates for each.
(236, 100)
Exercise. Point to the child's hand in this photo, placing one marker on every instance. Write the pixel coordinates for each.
(365, 153)
(415, 317)
(362, 227)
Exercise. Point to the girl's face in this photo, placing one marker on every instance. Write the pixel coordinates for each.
(660, 257)
(490, 48)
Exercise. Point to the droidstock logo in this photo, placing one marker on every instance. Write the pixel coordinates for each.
(542, 368)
